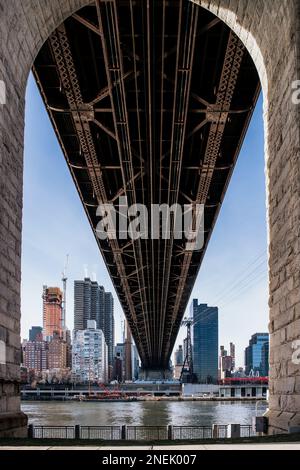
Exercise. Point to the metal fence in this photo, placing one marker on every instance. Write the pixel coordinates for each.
(146, 433)
(191, 432)
(105, 433)
(136, 433)
(247, 431)
(52, 432)
(220, 432)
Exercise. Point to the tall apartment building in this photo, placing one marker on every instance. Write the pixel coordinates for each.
(89, 355)
(91, 302)
(57, 353)
(205, 342)
(35, 355)
(43, 355)
(97, 304)
(82, 304)
(256, 354)
(52, 312)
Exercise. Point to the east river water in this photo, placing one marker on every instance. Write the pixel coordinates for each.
(147, 413)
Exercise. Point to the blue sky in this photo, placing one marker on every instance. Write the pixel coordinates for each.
(233, 275)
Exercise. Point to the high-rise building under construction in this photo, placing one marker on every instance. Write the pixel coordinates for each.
(52, 312)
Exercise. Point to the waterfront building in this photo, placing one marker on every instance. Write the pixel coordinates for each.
(91, 302)
(89, 355)
(52, 312)
(256, 354)
(35, 355)
(57, 353)
(205, 342)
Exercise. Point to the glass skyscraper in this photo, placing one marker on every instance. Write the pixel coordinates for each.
(205, 342)
(256, 354)
(265, 359)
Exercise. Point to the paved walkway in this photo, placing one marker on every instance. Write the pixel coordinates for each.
(271, 446)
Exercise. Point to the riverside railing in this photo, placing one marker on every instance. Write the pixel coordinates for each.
(140, 433)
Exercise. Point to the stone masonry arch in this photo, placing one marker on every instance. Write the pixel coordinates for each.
(270, 31)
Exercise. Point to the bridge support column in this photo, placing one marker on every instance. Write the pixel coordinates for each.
(155, 374)
(13, 423)
(24, 27)
(283, 183)
(278, 64)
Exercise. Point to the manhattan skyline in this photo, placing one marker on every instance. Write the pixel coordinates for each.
(55, 224)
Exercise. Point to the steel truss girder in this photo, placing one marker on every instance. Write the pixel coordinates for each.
(115, 73)
(232, 63)
(63, 56)
(184, 63)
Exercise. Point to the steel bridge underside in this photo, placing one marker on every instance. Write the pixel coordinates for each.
(149, 100)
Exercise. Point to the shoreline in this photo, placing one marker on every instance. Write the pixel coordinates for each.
(148, 399)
